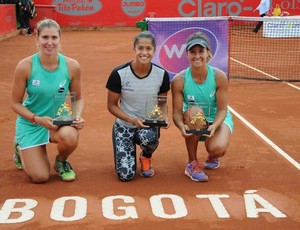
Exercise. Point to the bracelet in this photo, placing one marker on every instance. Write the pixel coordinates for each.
(32, 119)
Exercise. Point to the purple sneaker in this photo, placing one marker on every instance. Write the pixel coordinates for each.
(194, 171)
(212, 163)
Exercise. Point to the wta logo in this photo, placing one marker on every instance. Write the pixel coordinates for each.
(172, 54)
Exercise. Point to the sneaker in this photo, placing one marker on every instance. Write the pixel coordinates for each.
(64, 170)
(16, 157)
(146, 167)
(212, 163)
(194, 171)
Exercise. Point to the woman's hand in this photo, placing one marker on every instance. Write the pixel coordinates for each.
(46, 122)
(78, 123)
(183, 130)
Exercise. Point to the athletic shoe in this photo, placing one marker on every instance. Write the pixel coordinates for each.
(64, 170)
(146, 167)
(212, 163)
(194, 171)
(16, 157)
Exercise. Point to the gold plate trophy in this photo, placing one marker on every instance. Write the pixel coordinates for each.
(64, 108)
(197, 122)
(156, 111)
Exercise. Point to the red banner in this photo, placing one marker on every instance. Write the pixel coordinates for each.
(8, 21)
(128, 12)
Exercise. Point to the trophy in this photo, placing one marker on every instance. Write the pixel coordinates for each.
(196, 118)
(156, 111)
(64, 108)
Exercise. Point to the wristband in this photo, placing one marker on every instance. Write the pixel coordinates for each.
(32, 119)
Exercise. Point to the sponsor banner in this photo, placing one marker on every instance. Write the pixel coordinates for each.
(171, 37)
(8, 22)
(128, 12)
(282, 28)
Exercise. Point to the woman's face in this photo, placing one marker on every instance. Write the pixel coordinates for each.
(144, 51)
(197, 56)
(49, 41)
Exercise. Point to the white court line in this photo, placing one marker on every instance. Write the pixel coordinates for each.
(264, 73)
(261, 135)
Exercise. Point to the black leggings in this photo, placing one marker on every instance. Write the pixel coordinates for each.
(259, 24)
(124, 143)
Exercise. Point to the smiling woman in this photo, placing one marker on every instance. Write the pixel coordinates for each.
(129, 86)
(43, 75)
(207, 87)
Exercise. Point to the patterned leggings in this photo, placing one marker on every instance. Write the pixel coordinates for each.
(125, 140)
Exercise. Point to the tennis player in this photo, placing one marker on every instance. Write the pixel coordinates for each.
(204, 84)
(129, 86)
(37, 78)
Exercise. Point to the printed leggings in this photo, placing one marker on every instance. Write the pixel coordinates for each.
(124, 143)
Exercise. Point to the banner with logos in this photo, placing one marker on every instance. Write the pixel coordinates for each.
(282, 28)
(128, 12)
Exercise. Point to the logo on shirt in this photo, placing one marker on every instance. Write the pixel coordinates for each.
(127, 86)
(36, 82)
(62, 84)
(212, 93)
(191, 98)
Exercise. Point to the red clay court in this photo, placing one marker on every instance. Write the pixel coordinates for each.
(256, 187)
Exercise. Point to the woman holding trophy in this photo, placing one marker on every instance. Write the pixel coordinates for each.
(200, 108)
(130, 87)
(39, 77)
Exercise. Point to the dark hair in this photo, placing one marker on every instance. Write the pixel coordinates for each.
(144, 34)
(47, 23)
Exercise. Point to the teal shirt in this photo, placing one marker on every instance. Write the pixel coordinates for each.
(40, 88)
(204, 93)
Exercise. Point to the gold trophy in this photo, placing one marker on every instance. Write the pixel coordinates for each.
(64, 108)
(156, 111)
(196, 119)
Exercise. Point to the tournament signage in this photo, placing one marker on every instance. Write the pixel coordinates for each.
(128, 12)
(171, 35)
(289, 27)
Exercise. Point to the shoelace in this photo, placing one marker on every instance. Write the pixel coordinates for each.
(196, 167)
(66, 166)
(146, 163)
(211, 159)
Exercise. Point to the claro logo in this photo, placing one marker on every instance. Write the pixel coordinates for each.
(172, 54)
(190, 8)
(133, 7)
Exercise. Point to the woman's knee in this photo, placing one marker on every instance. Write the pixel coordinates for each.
(69, 136)
(39, 178)
(216, 150)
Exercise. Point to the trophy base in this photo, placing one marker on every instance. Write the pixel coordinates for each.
(60, 122)
(198, 132)
(153, 123)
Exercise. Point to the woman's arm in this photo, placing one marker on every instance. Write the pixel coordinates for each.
(21, 75)
(75, 75)
(221, 97)
(177, 103)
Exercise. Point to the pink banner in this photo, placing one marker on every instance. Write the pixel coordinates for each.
(128, 12)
